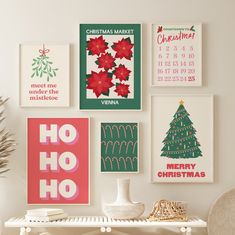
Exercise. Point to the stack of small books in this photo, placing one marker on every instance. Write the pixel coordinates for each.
(45, 215)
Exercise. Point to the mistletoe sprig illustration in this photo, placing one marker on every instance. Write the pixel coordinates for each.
(101, 81)
(42, 66)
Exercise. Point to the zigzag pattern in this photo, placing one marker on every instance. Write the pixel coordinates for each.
(119, 146)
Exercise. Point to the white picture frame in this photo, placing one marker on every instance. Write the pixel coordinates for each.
(114, 104)
(193, 153)
(176, 54)
(44, 74)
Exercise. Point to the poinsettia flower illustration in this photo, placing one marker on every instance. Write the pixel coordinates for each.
(106, 61)
(122, 90)
(122, 73)
(99, 82)
(97, 46)
(159, 29)
(123, 48)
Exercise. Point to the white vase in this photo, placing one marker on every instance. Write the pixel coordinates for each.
(123, 207)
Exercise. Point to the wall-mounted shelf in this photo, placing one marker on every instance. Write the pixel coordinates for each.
(105, 224)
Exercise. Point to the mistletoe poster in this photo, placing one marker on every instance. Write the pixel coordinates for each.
(177, 54)
(110, 66)
(182, 138)
(44, 75)
(58, 161)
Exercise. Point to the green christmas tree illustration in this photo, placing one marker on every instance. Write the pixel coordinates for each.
(42, 66)
(181, 141)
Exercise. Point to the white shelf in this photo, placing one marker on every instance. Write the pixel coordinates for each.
(104, 222)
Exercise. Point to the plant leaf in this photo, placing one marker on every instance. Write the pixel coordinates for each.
(128, 39)
(106, 93)
(110, 75)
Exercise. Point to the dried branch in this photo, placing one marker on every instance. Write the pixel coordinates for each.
(7, 143)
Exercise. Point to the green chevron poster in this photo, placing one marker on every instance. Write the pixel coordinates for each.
(182, 138)
(119, 147)
(110, 66)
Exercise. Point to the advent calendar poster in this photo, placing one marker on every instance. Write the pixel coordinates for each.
(58, 160)
(110, 66)
(177, 54)
(44, 75)
(182, 138)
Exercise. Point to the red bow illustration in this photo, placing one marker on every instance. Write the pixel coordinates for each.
(44, 51)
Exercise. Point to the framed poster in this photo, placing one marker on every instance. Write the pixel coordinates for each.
(58, 160)
(182, 138)
(110, 66)
(44, 75)
(177, 54)
(119, 146)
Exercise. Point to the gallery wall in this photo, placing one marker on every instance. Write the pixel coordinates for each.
(57, 21)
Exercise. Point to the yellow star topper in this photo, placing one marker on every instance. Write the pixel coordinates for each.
(181, 102)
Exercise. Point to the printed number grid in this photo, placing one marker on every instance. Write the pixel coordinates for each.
(176, 63)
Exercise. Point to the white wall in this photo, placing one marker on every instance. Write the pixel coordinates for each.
(57, 20)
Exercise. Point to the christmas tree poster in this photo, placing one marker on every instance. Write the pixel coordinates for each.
(44, 75)
(110, 66)
(182, 138)
(119, 147)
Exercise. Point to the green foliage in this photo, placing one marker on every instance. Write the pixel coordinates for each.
(7, 143)
(43, 66)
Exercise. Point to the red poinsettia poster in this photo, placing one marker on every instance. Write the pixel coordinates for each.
(110, 66)
(58, 163)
